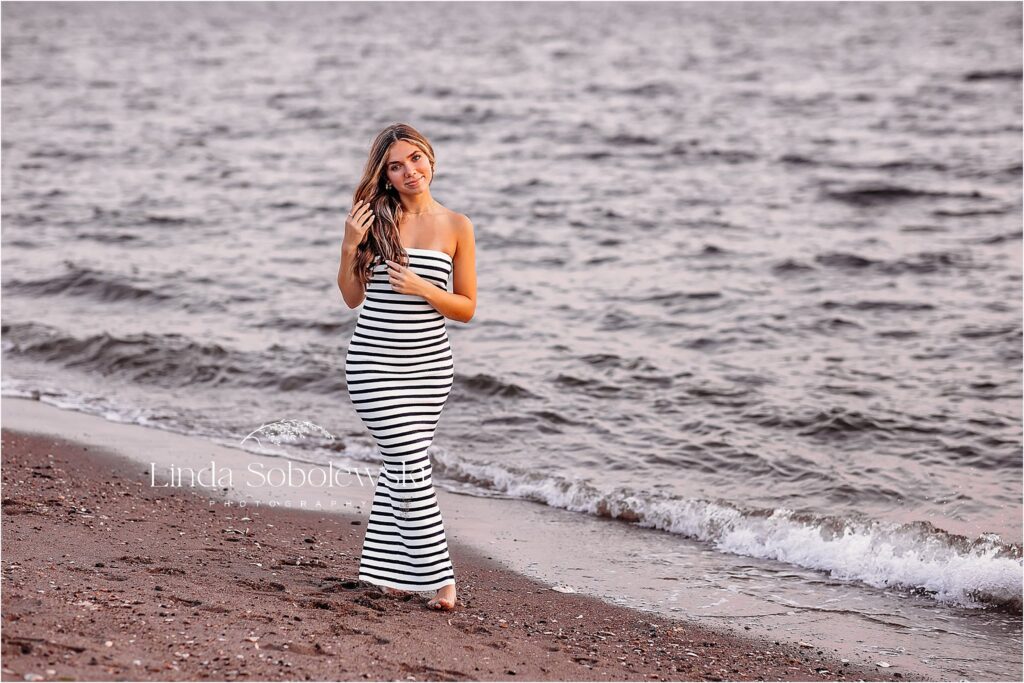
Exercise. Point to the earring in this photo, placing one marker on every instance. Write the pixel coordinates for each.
(388, 186)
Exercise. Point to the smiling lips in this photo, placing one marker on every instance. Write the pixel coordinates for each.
(414, 183)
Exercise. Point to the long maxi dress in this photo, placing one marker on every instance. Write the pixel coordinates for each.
(399, 372)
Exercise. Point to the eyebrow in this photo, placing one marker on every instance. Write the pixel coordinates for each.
(410, 154)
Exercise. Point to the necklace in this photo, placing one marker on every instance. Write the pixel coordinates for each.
(419, 213)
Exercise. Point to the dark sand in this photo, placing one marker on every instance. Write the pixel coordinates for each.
(107, 578)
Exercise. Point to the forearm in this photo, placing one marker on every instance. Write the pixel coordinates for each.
(352, 290)
(450, 304)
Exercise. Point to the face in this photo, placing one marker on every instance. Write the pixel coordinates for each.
(407, 163)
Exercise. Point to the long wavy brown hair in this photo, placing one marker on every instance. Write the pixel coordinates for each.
(381, 241)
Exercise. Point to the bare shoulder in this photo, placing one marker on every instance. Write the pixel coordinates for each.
(456, 220)
(461, 229)
(461, 223)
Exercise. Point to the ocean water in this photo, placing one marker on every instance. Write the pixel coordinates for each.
(749, 274)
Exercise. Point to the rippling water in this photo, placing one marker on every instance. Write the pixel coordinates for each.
(745, 271)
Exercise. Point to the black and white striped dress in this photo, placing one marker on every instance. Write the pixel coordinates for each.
(399, 371)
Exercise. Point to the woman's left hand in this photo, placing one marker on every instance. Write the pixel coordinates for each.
(404, 280)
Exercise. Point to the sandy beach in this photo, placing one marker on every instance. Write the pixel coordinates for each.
(108, 578)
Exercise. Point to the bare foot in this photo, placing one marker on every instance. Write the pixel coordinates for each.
(388, 590)
(445, 598)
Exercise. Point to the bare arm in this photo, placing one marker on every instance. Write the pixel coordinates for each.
(459, 304)
(357, 223)
(352, 290)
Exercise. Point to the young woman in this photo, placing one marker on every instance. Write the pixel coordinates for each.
(400, 248)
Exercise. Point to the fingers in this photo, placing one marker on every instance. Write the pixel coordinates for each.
(365, 212)
(361, 213)
(396, 275)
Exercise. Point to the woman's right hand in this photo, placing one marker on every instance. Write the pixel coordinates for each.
(358, 222)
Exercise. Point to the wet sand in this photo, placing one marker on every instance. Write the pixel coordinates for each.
(108, 578)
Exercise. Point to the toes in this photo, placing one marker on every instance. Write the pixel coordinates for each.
(441, 604)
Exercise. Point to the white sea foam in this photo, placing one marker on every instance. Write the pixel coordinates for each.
(920, 557)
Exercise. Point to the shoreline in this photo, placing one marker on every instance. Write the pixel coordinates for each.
(182, 586)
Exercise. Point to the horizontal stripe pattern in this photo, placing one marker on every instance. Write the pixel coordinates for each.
(399, 372)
